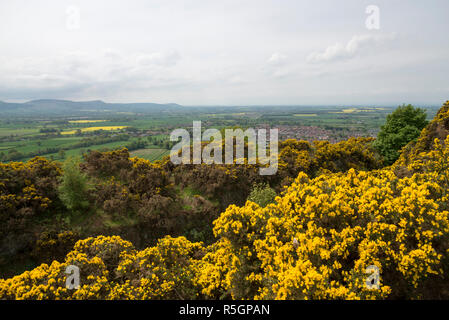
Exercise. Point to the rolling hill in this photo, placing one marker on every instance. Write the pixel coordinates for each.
(67, 107)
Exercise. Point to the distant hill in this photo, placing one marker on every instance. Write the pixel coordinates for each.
(67, 107)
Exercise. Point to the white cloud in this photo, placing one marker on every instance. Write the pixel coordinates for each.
(278, 66)
(164, 59)
(277, 59)
(76, 72)
(357, 45)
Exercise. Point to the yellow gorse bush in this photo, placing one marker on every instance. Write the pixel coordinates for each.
(341, 222)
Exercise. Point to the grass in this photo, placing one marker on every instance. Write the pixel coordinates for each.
(79, 151)
(118, 221)
(150, 154)
(305, 114)
(86, 121)
(67, 141)
(355, 110)
(18, 131)
(37, 144)
(189, 192)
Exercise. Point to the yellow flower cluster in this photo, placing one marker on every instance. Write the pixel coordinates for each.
(315, 242)
(318, 239)
(110, 268)
(26, 189)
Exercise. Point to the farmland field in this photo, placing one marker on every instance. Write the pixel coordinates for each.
(150, 154)
(146, 134)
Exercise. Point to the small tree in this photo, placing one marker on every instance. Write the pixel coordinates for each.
(262, 194)
(74, 188)
(402, 126)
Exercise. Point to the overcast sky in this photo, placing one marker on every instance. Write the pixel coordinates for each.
(226, 52)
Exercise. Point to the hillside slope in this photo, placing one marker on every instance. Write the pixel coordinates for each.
(67, 107)
(315, 242)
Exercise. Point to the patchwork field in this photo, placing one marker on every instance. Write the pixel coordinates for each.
(147, 135)
(150, 154)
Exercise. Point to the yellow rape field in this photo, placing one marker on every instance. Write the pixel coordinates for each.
(86, 121)
(108, 128)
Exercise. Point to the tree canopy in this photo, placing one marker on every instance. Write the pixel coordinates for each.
(401, 127)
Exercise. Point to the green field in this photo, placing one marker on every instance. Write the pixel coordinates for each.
(150, 154)
(147, 135)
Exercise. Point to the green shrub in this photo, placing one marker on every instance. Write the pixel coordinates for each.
(262, 194)
(74, 188)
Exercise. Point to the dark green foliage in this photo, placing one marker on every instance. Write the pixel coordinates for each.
(52, 245)
(402, 126)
